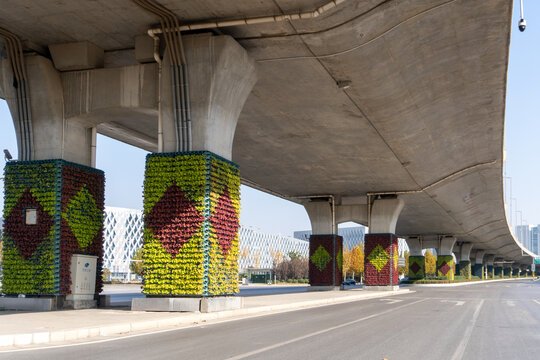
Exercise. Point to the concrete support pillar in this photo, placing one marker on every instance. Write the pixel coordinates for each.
(53, 136)
(445, 260)
(478, 267)
(417, 261)
(54, 199)
(463, 266)
(221, 76)
(53, 209)
(325, 246)
(488, 260)
(192, 198)
(381, 245)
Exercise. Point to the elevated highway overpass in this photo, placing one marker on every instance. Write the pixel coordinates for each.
(335, 105)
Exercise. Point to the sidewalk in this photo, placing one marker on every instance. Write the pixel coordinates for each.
(19, 329)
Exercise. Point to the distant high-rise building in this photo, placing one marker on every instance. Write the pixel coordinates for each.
(523, 235)
(534, 239)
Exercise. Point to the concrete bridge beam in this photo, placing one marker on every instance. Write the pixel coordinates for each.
(53, 137)
(381, 244)
(221, 75)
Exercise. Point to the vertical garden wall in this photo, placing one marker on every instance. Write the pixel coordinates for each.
(52, 210)
(417, 267)
(446, 266)
(381, 265)
(325, 260)
(191, 208)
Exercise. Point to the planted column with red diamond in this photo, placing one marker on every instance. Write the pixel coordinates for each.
(381, 264)
(325, 260)
(417, 266)
(53, 209)
(191, 206)
(445, 266)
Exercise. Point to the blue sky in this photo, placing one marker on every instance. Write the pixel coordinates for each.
(124, 164)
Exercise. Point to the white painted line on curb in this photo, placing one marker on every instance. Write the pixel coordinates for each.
(460, 349)
(271, 347)
(536, 301)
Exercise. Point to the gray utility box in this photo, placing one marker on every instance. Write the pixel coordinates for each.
(83, 277)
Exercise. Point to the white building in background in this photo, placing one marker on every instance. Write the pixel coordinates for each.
(122, 236)
(258, 249)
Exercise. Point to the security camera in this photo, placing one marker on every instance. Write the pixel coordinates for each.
(522, 25)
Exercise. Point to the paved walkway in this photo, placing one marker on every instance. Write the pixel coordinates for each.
(22, 329)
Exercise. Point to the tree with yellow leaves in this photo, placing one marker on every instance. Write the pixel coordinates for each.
(431, 263)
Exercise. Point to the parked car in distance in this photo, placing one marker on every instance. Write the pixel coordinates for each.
(349, 282)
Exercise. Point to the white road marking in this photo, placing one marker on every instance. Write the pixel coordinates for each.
(457, 302)
(460, 350)
(391, 301)
(536, 301)
(271, 347)
(510, 303)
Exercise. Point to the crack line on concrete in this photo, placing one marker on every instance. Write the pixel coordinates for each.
(271, 347)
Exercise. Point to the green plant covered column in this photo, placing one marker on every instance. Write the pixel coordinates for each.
(191, 208)
(491, 272)
(478, 270)
(52, 210)
(464, 269)
(325, 260)
(445, 266)
(417, 267)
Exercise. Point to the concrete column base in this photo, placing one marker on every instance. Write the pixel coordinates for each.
(187, 304)
(382, 288)
(49, 303)
(80, 304)
(45, 303)
(324, 288)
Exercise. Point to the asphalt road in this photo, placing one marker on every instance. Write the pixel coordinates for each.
(493, 321)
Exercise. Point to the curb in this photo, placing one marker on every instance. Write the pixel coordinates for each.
(461, 283)
(40, 338)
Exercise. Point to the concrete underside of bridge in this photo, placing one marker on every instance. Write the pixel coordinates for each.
(372, 96)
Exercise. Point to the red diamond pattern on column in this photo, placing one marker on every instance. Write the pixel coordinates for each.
(225, 222)
(444, 268)
(173, 219)
(415, 268)
(27, 238)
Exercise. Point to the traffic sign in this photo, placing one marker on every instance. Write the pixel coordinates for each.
(533, 267)
(537, 260)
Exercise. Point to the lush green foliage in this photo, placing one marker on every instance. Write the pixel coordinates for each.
(191, 205)
(37, 257)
